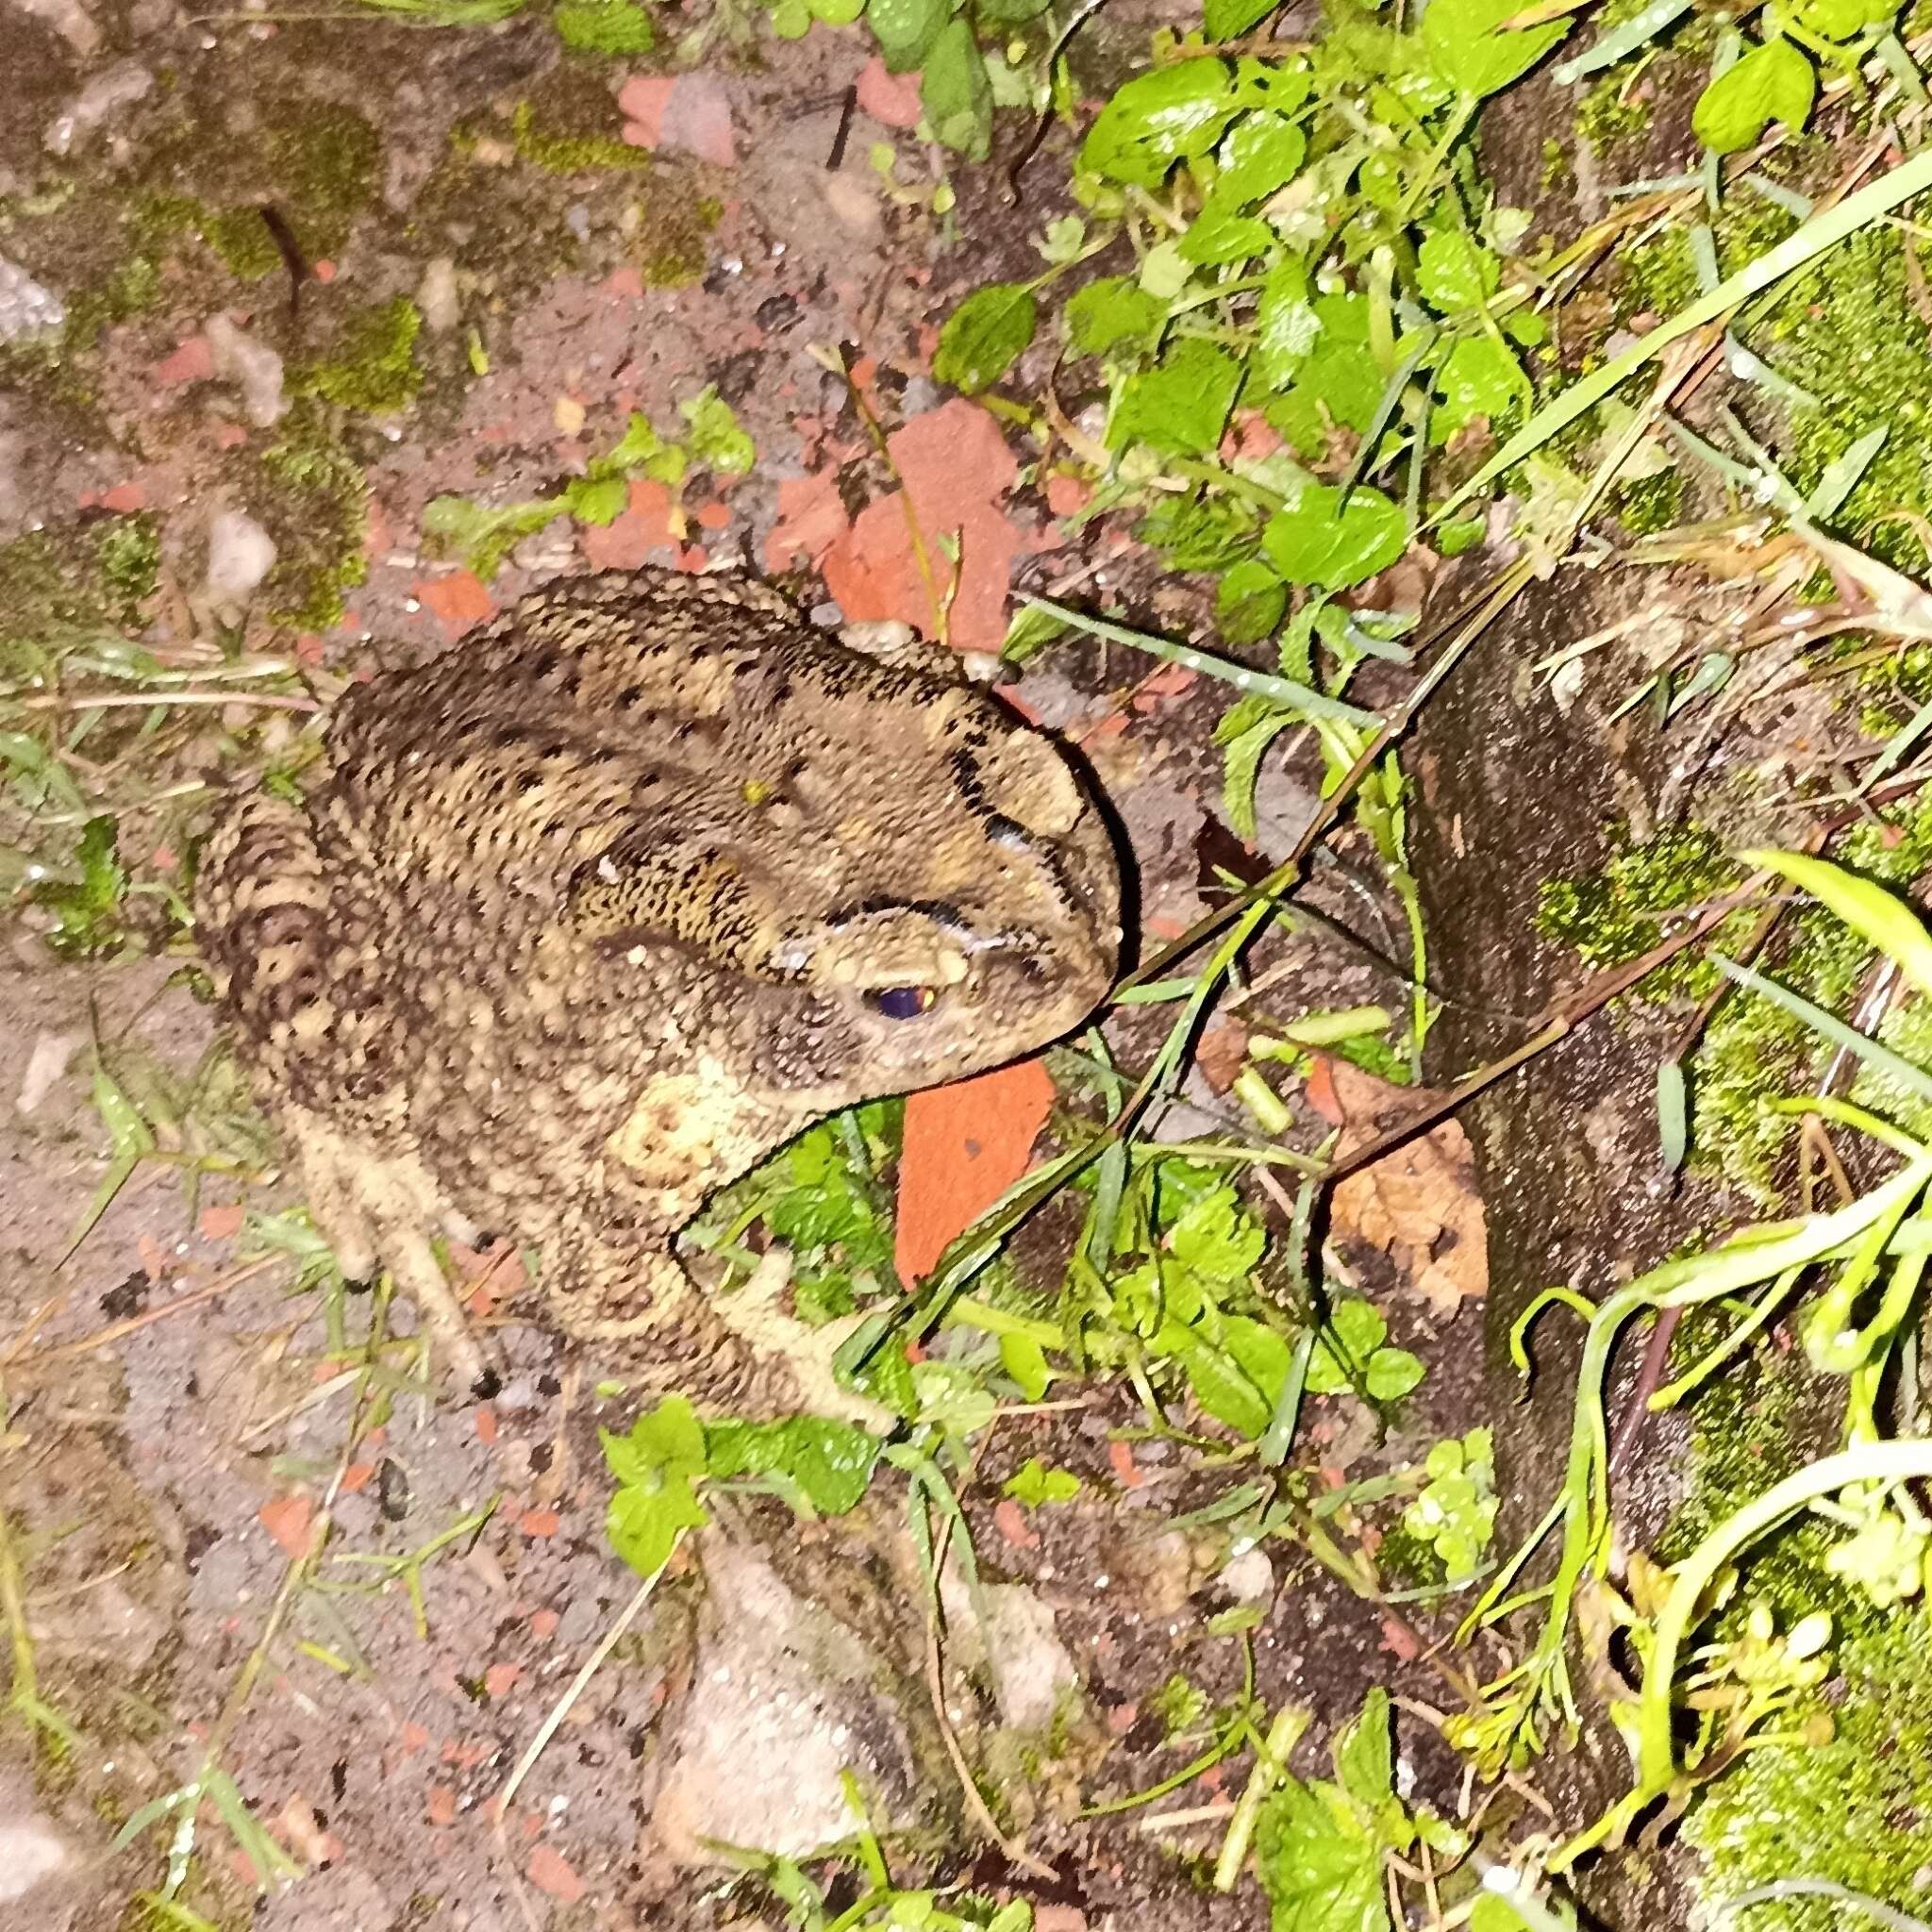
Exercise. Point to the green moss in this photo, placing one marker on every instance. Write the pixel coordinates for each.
(319, 164)
(1847, 331)
(1742, 1441)
(1181, 1704)
(324, 161)
(156, 221)
(607, 30)
(1650, 503)
(241, 239)
(315, 504)
(672, 236)
(1612, 915)
(129, 555)
(1604, 117)
(1858, 1809)
(1659, 277)
(1754, 1052)
(373, 366)
(561, 151)
(130, 287)
(1403, 1558)
(63, 582)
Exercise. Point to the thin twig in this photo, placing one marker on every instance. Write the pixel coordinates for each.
(114, 1331)
(558, 1711)
(145, 701)
(1015, 1853)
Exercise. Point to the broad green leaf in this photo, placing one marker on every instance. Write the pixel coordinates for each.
(665, 1441)
(1392, 1373)
(1228, 19)
(1478, 377)
(1159, 118)
(1263, 152)
(830, 1461)
(641, 451)
(1468, 53)
(1215, 1238)
(1261, 1351)
(1165, 271)
(1250, 601)
(1871, 912)
(1034, 1485)
(906, 28)
(1365, 1756)
(1319, 1865)
(1217, 1379)
(481, 537)
(597, 499)
(1181, 404)
(1340, 371)
(1287, 327)
(1358, 1327)
(1325, 542)
(1113, 311)
(1273, 86)
(1455, 273)
(717, 438)
(1221, 235)
(957, 93)
(1300, 420)
(1496, 1914)
(1840, 20)
(642, 1525)
(951, 1399)
(1772, 82)
(1024, 1360)
(985, 335)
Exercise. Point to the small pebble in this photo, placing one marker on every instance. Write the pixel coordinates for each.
(1249, 1577)
(240, 555)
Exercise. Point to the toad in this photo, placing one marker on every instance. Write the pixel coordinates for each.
(589, 914)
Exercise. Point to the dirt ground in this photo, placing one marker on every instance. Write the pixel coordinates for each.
(175, 1416)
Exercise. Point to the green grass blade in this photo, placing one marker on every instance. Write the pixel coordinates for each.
(1796, 251)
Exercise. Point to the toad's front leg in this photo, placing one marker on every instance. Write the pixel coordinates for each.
(735, 1353)
(377, 1209)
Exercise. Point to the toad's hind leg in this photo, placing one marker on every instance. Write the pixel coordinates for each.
(301, 992)
(735, 1353)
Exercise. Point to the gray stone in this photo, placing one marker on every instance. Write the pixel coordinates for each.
(783, 1698)
(437, 296)
(113, 89)
(251, 366)
(68, 19)
(1018, 1648)
(26, 308)
(240, 554)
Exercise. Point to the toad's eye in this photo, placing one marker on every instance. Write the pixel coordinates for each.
(902, 1002)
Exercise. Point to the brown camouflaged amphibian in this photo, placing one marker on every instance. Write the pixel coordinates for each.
(587, 915)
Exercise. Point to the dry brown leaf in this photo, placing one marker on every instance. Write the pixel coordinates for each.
(1418, 1205)
(1222, 1054)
